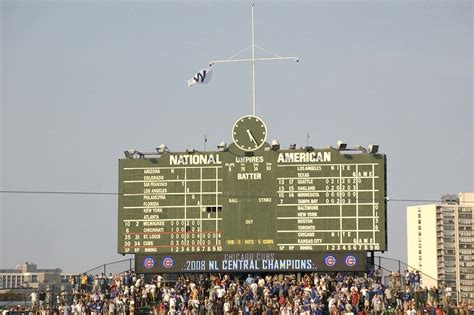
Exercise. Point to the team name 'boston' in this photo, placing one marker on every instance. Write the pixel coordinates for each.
(194, 159)
(292, 157)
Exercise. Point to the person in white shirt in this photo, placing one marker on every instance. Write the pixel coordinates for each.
(34, 299)
(172, 302)
(227, 309)
(331, 303)
(348, 309)
(220, 291)
(254, 287)
(447, 295)
(111, 308)
(159, 281)
(153, 292)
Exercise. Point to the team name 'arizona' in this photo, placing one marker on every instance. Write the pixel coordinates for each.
(194, 159)
(304, 157)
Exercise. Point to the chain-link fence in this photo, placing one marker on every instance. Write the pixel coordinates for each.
(115, 267)
(393, 275)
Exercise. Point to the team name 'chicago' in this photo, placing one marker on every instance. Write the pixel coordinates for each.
(292, 157)
(189, 159)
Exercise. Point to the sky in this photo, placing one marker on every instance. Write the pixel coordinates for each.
(82, 81)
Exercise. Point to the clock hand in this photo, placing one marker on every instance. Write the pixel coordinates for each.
(251, 136)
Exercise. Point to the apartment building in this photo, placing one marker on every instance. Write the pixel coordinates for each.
(28, 275)
(441, 243)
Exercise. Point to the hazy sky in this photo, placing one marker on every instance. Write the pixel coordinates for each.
(82, 81)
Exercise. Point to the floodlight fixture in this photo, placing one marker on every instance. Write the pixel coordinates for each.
(129, 153)
(222, 146)
(341, 145)
(162, 149)
(275, 145)
(373, 148)
(293, 146)
(133, 154)
(309, 148)
(190, 150)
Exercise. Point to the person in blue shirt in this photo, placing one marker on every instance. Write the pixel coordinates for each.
(406, 297)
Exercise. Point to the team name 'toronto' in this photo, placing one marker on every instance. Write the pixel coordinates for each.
(189, 159)
(292, 157)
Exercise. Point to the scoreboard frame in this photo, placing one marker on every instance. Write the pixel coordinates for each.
(267, 200)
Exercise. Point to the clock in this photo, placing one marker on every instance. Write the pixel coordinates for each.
(249, 133)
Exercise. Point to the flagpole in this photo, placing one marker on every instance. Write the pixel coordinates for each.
(199, 78)
(253, 62)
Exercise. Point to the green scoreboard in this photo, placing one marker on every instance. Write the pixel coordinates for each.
(252, 197)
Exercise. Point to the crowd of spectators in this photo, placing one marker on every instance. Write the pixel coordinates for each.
(217, 294)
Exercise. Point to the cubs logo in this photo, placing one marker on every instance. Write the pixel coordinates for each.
(351, 261)
(167, 262)
(330, 261)
(149, 262)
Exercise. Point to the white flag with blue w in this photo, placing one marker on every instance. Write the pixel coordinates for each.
(202, 77)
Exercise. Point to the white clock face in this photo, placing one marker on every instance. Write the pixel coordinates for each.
(249, 133)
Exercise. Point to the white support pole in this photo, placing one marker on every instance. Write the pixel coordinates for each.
(250, 59)
(253, 60)
(253, 63)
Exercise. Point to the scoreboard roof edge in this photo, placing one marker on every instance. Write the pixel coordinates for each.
(348, 153)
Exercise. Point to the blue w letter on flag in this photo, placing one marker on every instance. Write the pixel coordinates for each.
(202, 77)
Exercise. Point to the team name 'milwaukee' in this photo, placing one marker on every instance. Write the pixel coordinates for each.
(194, 159)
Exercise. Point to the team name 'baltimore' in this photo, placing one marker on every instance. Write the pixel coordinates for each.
(190, 159)
(296, 157)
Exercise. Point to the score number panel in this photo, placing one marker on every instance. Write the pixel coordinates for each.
(285, 200)
(328, 207)
(161, 209)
